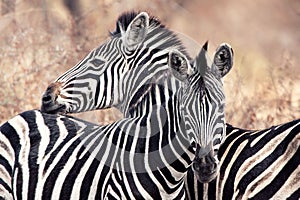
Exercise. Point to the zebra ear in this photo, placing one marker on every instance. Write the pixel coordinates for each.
(179, 65)
(223, 59)
(201, 60)
(136, 31)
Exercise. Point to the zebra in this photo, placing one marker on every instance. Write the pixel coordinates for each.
(113, 73)
(120, 73)
(80, 160)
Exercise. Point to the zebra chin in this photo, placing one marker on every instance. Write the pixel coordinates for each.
(53, 108)
(205, 177)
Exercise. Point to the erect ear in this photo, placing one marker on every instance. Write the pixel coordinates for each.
(136, 31)
(179, 65)
(223, 59)
(201, 60)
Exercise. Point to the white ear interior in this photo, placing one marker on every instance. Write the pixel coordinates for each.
(223, 59)
(179, 65)
(136, 31)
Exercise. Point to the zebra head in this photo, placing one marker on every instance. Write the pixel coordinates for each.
(101, 79)
(88, 85)
(202, 103)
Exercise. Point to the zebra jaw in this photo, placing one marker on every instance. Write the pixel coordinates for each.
(49, 100)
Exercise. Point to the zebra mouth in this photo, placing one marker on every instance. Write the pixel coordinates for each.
(53, 108)
(206, 178)
(205, 173)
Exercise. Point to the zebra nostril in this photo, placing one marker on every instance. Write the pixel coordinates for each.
(196, 167)
(50, 95)
(47, 99)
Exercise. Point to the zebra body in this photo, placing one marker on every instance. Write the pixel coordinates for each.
(270, 160)
(79, 160)
(31, 156)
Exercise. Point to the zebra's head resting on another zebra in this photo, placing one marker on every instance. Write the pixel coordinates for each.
(98, 81)
(202, 102)
(120, 73)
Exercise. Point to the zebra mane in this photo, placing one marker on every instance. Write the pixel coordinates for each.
(125, 19)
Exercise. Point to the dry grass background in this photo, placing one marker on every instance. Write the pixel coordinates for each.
(41, 39)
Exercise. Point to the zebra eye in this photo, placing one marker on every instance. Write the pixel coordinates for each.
(97, 62)
(222, 107)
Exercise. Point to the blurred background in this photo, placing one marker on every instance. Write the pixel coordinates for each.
(40, 39)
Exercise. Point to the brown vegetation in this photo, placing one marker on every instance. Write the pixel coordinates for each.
(41, 39)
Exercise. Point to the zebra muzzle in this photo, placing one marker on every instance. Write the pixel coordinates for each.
(204, 165)
(49, 100)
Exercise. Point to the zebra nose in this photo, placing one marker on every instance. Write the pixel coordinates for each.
(47, 98)
(49, 103)
(205, 168)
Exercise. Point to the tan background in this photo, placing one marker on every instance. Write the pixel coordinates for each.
(41, 39)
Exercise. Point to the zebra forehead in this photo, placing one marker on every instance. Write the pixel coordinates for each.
(208, 81)
(213, 80)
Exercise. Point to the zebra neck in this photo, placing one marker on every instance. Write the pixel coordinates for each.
(159, 90)
(154, 142)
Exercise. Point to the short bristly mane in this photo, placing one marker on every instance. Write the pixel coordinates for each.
(125, 19)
